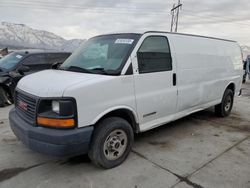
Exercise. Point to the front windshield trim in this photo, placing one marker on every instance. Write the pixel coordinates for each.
(118, 71)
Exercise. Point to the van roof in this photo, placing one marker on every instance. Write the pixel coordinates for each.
(170, 33)
(192, 35)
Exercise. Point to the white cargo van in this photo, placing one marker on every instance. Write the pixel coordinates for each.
(120, 84)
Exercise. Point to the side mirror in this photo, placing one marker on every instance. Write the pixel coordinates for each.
(56, 65)
(21, 70)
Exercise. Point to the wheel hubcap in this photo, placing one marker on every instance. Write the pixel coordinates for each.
(115, 144)
(228, 103)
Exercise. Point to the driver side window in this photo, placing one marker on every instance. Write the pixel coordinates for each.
(154, 55)
(35, 60)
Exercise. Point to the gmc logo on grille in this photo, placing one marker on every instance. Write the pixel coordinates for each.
(23, 105)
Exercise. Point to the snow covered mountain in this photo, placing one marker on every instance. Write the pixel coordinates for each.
(71, 45)
(22, 36)
(16, 36)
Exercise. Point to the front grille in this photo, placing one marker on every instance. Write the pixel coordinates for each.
(26, 106)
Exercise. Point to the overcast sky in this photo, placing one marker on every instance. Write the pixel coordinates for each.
(228, 19)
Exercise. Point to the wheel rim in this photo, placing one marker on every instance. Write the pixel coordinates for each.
(8, 98)
(5, 96)
(115, 144)
(228, 103)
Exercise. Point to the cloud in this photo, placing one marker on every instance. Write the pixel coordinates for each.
(86, 18)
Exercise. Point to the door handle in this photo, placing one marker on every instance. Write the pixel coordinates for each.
(174, 79)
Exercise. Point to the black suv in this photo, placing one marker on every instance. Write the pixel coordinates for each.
(20, 63)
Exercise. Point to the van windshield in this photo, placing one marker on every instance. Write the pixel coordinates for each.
(10, 61)
(102, 55)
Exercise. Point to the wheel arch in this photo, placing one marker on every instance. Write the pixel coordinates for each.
(124, 112)
(231, 86)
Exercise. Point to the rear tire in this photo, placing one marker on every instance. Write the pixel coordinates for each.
(4, 98)
(225, 107)
(111, 142)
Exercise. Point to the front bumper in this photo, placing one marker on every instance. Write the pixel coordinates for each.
(49, 141)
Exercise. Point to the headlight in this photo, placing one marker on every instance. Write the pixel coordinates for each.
(56, 107)
(58, 113)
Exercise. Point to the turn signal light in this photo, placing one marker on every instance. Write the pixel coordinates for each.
(57, 123)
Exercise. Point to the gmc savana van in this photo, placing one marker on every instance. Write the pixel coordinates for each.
(117, 85)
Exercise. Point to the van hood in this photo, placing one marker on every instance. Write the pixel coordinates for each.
(52, 83)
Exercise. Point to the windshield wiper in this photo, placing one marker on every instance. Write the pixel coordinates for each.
(103, 71)
(90, 71)
(76, 69)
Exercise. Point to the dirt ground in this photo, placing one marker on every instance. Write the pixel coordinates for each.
(198, 151)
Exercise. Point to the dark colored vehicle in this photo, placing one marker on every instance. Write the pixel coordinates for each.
(245, 72)
(17, 64)
(246, 68)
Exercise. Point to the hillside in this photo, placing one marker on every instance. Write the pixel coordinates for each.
(21, 36)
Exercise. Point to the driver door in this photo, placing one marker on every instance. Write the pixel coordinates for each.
(155, 82)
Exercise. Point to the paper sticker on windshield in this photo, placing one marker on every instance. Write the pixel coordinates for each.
(124, 41)
(19, 56)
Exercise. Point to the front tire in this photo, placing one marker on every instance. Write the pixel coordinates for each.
(225, 107)
(111, 142)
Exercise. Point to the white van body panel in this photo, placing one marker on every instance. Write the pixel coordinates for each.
(99, 96)
(156, 97)
(204, 68)
(52, 83)
(95, 95)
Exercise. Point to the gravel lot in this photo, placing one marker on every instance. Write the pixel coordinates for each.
(200, 150)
